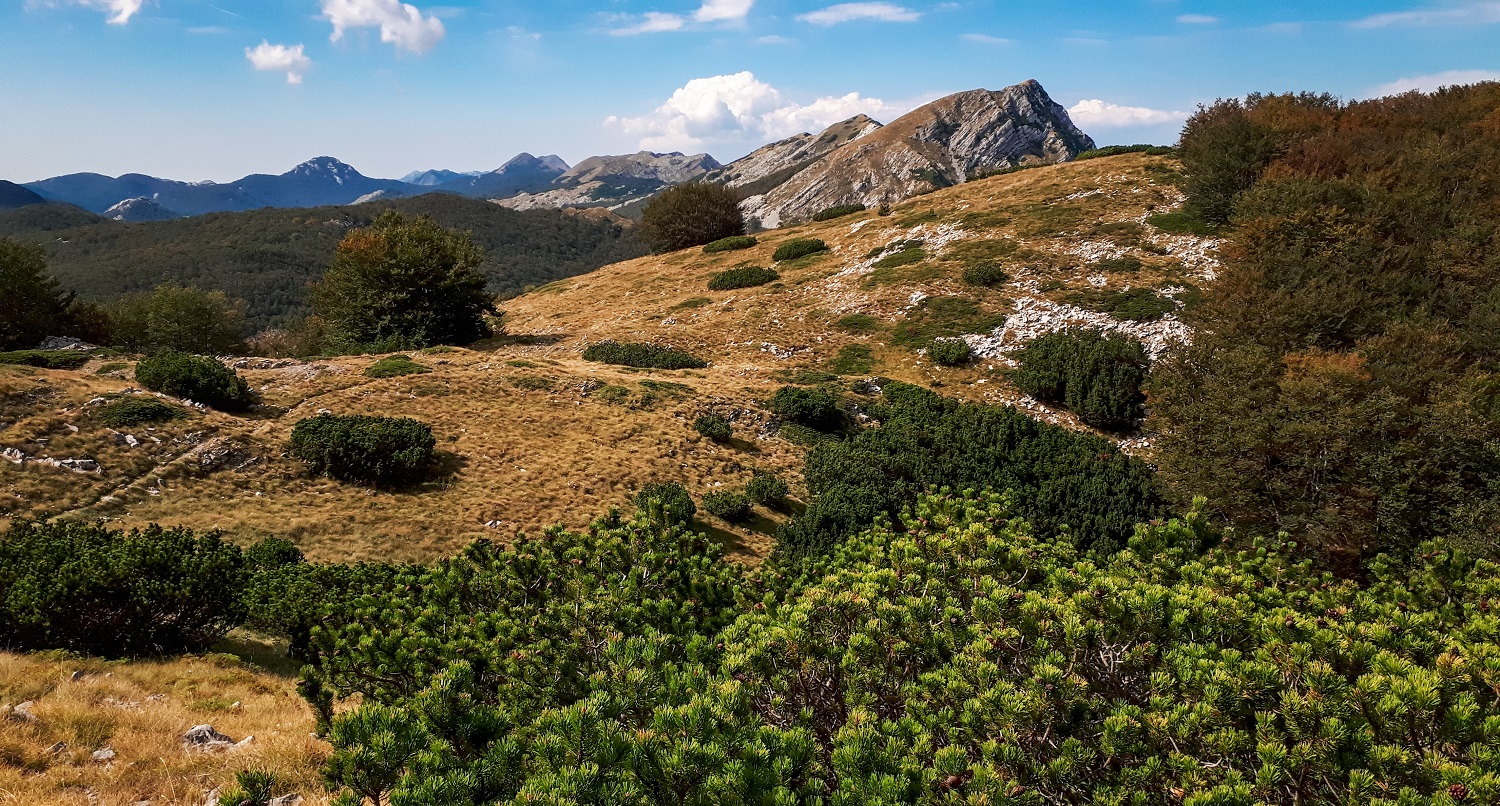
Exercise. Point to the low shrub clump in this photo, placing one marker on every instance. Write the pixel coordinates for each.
(814, 408)
(84, 588)
(903, 257)
(667, 501)
(533, 383)
(729, 505)
(838, 211)
(46, 359)
(1185, 223)
(1134, 305)
(854, 359)
(382, 451)
(394, 366)
(714, 426)
(1097, 377)
(132, 411)
(742, 277)
(986, 275)
(799, 247)
(950, 352)
(1138, 148)
(635, 354)
(730, 244)
(767, 489)
(858, 323)
(195, 378)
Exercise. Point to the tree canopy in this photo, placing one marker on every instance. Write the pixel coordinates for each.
(405, 282)
(32, 303)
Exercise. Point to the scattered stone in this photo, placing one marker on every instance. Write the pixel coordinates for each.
(286, 800)
(58, 749)
(22, 712)
(205, 739)
(15, 455)
(66, 343)
(78, 675)
(103, 755)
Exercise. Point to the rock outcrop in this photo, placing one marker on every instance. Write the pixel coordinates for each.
(763, 169)
(944, 143)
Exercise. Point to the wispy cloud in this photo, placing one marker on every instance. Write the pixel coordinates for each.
(401, 24)
(119, 11)
(1196, 19)
(1435, 81)
(984, 39)
(280, 59)
(1471, 13)
(1094, 112)
(849, 12)
(739, 107)
(712, 11)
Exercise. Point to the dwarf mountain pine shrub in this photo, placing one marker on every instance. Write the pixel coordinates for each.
(196, 378)
(381, 451)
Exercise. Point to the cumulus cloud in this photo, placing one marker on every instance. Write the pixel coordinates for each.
(1435, 81)
(849, 12)
(280, 59)
(119, 11)
(739, 107)
(401, 24)
(720, 11)
(1461, 14)
(1196, 19)
(1094, 112)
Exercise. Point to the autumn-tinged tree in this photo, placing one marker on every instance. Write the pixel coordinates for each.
(179, 319)
(402, 283)
(693, 214)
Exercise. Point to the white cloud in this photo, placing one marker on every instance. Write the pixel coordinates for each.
(1094, 112)
(120, 11)
(985, 39)
(723, 10)
(1435, 81)
(279, 59)
(401, 24)
(651, 22)
(848, 12)
(739, 107)
(1196, 19)
(773, 39)
(1461, 14)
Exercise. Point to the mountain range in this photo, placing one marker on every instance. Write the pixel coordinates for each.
(855, 161)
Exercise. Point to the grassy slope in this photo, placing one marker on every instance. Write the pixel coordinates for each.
(525, 457)
(519, 458)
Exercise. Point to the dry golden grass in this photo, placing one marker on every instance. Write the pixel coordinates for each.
(528, 437)
(140, 709)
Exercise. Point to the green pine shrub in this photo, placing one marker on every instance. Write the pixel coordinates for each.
(811, 407)
(86, 588)
(381, 451)
(838, 211)
(714, 426)
(767, 489)
(798, 247)
(730, 244)
(46, 359)
(667, 500)
(1185, 223)
(196, 378)
(950, 352)
(394, 366)
(987, 274)
(1132, 305)
(742, 277)
(902, 257)
(1139, 148)
(635, 354)
(728, 505)
(137, 410)
(1097, 376)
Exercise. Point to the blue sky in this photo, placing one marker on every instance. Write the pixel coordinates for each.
(192, 89)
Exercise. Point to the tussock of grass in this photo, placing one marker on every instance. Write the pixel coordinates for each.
(393, 366)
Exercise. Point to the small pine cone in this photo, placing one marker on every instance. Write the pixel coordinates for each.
(1458, 791)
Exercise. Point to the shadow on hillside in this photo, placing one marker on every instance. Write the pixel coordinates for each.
(758, 543)
(523, 340)
(446, 467)
(263, 653)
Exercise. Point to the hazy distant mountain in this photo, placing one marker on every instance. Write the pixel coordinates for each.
(435, 177)
(615, 181)
(523, 173)
(943, 143)
(320, 181)
(14, 195)
(139, 209)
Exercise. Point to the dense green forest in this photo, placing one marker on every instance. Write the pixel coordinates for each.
(268, 257)
(1344, 385)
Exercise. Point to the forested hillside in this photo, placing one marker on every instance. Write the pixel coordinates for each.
(267, 257)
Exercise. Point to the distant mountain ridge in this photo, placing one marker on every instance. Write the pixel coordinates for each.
(318, 182)
(615, 181)
(13, 195)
